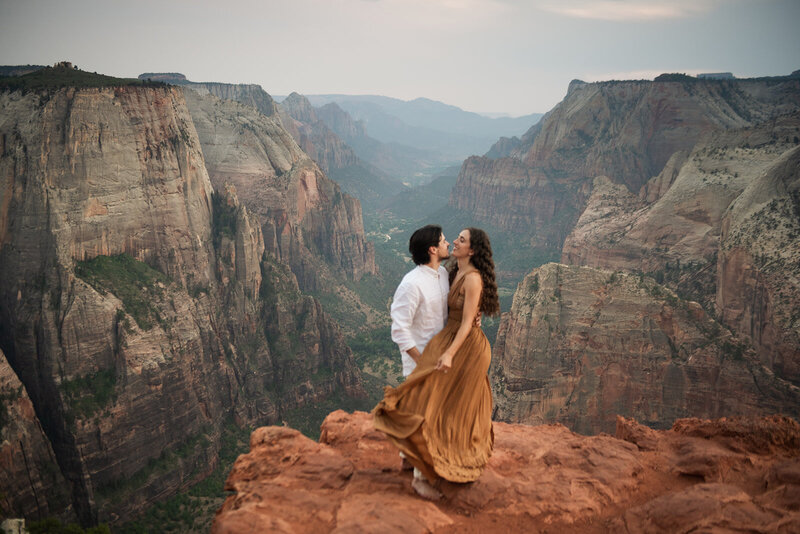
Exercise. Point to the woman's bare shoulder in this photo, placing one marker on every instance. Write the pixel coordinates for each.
(473, 279)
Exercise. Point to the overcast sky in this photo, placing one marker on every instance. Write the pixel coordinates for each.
(510, 56)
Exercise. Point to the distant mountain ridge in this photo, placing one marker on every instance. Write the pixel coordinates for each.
(310, 128)
(427, 124)
(427, 113)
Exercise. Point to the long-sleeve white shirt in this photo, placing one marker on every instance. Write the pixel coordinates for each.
(419, 310)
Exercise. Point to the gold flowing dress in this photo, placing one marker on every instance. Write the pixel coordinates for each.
(442, 422)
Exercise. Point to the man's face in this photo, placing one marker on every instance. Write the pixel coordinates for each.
(443, 250)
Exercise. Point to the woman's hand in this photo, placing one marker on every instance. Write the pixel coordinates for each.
(445, 361)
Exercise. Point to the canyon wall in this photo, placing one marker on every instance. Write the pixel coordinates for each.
(581, 346)
(629, 132)
(314, 137)
(758, 290)
(139, 310)
(693, 183)
(310, 129)
(250, 95)
(307, 221)
(32, 484)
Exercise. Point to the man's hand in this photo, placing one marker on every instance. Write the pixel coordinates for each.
(414, 353)
(477, 321)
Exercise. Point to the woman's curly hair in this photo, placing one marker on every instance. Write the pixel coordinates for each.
(482, 260)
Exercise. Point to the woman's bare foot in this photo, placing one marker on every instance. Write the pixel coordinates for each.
(425, 490)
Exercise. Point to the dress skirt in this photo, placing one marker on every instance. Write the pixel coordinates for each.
(442, 422)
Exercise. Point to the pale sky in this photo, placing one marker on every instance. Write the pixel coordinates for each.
(510, 56)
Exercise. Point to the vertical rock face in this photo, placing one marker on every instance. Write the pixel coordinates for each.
(304, 215)
(83, 155)
(313, 136)
(102, 172)
(673, 226)
(250, 95)
(629, 132)
(137, 309)
(339, 161)
(758, 293)
(511, 195)
(32, 484)
(679, 229)
(341, 122)
(581, 346)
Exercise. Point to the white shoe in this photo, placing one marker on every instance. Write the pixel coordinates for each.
(425, 490)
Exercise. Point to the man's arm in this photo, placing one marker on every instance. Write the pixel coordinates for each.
(404, 307)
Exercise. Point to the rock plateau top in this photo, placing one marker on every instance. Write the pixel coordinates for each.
(724, 475)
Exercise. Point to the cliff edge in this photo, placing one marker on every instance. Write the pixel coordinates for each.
(740, 473)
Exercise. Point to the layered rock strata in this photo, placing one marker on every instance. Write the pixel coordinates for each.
(758, 291)
(32, 484)
(629, 132)
(679, 229)
(305, 217)
(137, 308)
(339, 161)
(672, 227)
(250, 95)
(701, 475)
(582, 345)
(313, 135)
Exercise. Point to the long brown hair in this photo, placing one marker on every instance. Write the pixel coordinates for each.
(482, 260)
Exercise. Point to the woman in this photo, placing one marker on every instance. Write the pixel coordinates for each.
(441, 416)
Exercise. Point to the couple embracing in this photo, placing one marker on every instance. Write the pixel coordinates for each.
(440, 417)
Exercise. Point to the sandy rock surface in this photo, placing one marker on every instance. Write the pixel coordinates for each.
(745, 473)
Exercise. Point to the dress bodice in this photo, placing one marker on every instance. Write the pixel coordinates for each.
(455, 299)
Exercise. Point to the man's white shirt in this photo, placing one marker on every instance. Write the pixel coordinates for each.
(419, 310)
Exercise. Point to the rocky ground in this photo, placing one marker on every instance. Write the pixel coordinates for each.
(725, 475)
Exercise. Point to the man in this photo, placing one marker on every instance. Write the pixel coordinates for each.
(419, 308)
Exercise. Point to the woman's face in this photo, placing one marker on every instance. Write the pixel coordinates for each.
(461, 246)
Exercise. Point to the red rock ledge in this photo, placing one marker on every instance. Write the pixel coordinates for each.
(737, 474)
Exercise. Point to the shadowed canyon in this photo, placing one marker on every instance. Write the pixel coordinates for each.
(189, 268)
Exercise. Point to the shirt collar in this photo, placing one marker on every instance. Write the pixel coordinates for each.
(429, 271)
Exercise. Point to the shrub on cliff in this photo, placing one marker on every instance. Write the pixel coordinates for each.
(60, 76)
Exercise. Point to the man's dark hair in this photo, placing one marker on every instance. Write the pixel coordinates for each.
(422, 239)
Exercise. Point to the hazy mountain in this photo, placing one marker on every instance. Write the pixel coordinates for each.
(428, 124)
(339, 161)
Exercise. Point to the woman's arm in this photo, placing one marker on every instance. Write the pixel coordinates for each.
(472, 296)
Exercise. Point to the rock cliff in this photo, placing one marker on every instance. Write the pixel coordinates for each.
(32, 484)
(700, 475)
(581, 346)
(758, 290)
(362, 180)
(630, 132)
(138, 309)
(313, 136)
(672, 227)
(250, 95)
(305, 217)
(679, 229)
(651, 177)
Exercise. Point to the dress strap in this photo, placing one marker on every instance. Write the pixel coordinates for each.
(464, 275)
